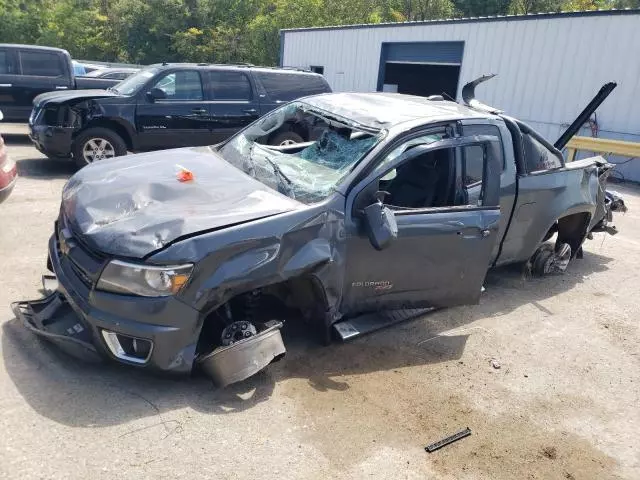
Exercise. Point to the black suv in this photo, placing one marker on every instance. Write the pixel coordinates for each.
(166, 106)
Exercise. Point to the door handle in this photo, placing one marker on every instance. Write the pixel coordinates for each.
(199, 111)
(7, 85)
(467, 235)
(250, 111)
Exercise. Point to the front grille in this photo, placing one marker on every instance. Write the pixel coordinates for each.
(85, 263)
(81, 274)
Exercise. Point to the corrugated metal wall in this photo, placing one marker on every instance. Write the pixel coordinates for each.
(548, 67)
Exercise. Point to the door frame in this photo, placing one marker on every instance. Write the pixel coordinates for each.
(11, 112)
(147, 138)
(362, 195)
(253, 103)
(361, 184)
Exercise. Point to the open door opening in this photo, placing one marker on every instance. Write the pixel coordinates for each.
(421, 79)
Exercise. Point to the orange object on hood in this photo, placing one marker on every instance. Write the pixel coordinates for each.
(185, 175)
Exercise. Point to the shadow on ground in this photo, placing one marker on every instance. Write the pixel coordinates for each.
(15, 139)
(45, 168)
(75, 394)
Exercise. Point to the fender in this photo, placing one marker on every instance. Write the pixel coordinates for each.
(309, 245)
(99, 114)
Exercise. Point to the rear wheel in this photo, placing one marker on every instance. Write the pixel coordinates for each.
(97, 144)
(286, 138)
(551, 259)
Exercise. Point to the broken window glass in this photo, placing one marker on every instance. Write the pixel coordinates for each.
(307, 171)
(537, 156)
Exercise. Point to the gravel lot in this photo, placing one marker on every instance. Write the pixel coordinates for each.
(564, 404)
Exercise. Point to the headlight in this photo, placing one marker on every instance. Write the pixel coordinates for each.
(144, 280)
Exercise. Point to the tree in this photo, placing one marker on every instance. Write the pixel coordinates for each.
(20, 20)
(78, 26)
(626, 4)
(481, 8)
(149, 31)
(523, 7)
(519, 7)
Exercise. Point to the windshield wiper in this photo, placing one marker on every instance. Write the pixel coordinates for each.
(282, 177)
(278, 171)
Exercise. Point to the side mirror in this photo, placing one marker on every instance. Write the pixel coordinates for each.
(156, 94)
(381, 225)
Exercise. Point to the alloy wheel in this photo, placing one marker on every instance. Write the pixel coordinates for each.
(97, 149)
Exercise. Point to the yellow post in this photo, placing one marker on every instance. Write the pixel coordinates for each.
(602, 145)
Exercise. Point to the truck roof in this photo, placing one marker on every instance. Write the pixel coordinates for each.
(33, 47)
(384, 110)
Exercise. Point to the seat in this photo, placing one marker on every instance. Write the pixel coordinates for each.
(419, 182)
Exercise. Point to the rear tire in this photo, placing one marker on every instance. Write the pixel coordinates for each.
(97, 144)
(286, 138)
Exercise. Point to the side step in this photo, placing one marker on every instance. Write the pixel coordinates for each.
(370, 322)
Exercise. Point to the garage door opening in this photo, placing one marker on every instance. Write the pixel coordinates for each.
(422, 79)
(420, 68)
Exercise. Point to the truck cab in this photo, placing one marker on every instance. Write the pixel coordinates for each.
(26, 71)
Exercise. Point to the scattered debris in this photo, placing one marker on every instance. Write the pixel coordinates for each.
(495, 364)
(446, 441)
(550, 452)
(568, 476)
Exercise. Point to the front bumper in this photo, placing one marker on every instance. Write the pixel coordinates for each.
(76, 315)
(52, 141)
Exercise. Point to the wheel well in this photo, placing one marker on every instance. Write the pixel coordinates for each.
(295, 299)
(111, 125)
(572, 229)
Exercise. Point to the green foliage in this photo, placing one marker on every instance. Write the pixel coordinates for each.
(480, 8)
(222, 31)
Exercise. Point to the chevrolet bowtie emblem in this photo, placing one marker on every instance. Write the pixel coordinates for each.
(64, 246)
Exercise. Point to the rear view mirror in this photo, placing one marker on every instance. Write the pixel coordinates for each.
(381, 225)
(156, 94)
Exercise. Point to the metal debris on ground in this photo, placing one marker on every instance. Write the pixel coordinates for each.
(446, 441)
(495, 364)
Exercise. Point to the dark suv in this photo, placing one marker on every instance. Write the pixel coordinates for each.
(166, 106)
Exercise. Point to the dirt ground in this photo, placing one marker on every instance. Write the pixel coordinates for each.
(565, 403)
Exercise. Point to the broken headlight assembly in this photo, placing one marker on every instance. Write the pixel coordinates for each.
(144, 280)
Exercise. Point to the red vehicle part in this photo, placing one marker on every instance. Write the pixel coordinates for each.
(8, 172)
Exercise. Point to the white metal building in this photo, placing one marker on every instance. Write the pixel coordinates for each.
(549, 65)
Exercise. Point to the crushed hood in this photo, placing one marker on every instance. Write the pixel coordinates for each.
(62, 96)
(134, 205)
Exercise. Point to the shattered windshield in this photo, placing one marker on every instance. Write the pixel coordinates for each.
(307, 171)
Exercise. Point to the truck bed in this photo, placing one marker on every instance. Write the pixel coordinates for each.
(87, 83)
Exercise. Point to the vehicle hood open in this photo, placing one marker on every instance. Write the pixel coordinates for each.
(134, 205)
(62, 96)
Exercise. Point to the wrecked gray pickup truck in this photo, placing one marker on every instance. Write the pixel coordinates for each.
(193, 257)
